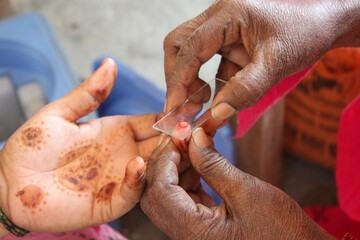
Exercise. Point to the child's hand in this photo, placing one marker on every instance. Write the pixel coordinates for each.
(59, 175)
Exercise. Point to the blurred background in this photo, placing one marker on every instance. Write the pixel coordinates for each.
(131, 31)
(281, 148)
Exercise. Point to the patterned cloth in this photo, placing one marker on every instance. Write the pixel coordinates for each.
(102, 232)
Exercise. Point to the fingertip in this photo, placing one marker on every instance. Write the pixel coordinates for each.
(135, 172)
(141, 169)
(112, 64)
(134, 180)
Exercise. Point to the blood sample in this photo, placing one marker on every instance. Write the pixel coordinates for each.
(183, 124)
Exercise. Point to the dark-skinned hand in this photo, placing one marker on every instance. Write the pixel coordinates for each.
(252, 209)
(261, 42)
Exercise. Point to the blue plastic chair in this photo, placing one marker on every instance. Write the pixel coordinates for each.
(30, 51)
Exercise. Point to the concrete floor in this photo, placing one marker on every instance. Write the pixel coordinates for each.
(133, 32)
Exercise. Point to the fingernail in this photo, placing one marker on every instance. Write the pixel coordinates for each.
(141, 178)
(222, 111)
(200, 139)
(115, 67)
(110, 61)
(141, 172)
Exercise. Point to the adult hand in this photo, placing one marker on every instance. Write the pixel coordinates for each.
(268, 40)
(58, 174)
(252, 209)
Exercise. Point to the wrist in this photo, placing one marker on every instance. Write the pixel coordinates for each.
(347, 23)
(3, 231)
(3, 198)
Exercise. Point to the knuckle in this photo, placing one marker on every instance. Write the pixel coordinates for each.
(176, 38)
(211, 162)
(247, 92)
(169, 39)
(190, 51)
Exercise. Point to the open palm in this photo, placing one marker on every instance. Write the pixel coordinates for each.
(60, 175)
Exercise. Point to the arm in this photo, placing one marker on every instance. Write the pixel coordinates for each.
(3, 189)
(3, 231)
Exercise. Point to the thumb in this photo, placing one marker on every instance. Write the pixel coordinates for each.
(134, 180)
(242, 91)
(217, 172)
(88, 96)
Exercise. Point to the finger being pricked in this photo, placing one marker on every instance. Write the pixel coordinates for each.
(167, 204)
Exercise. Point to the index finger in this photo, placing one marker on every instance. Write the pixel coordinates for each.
(177, 37)
(203, 44)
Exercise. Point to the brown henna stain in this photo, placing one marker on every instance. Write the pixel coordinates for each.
(118, 134)
(93, 173)
(144, 122)
(32, 136)
(30, 196)
(105, 193)
(72, 154)
(101, 94)
(91, 108)
(84, 169)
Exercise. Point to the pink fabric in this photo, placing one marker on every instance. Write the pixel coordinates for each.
(248, 117)
(102, 232)
(334, 220)
(348, 161)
